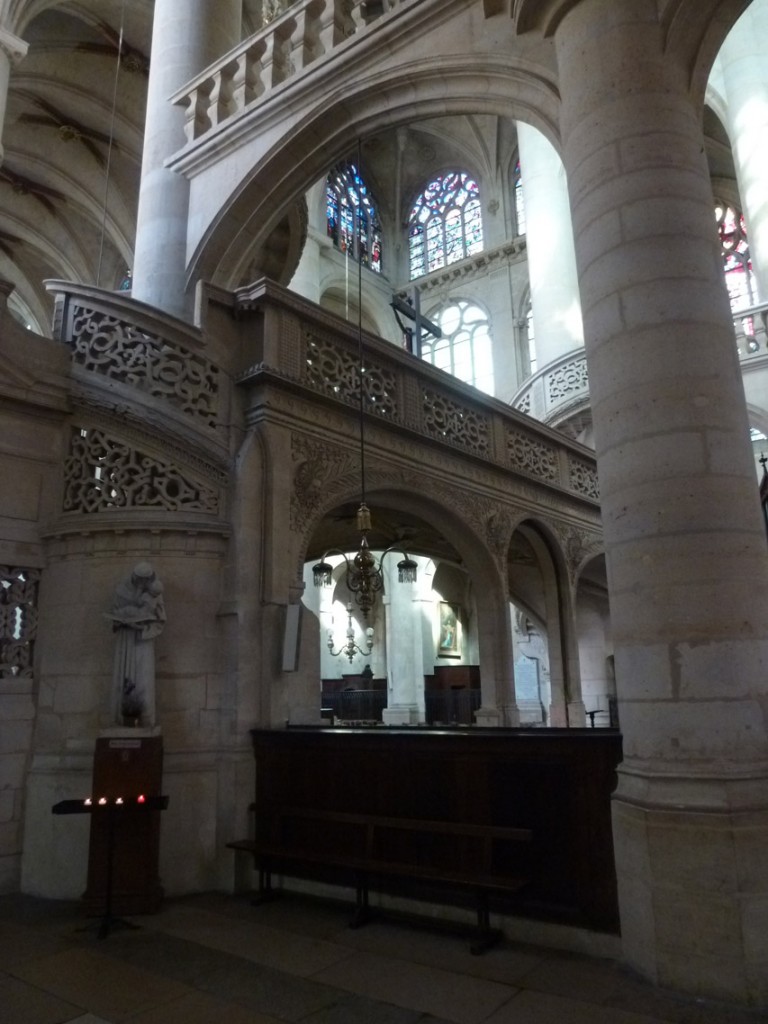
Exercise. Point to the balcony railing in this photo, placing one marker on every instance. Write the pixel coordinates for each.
(305, 32)
(562, 387)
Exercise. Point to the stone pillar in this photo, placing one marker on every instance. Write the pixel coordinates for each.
(686, 547)
(549, 241)
(743, 60)
(187, 36)
(306, 278)
(12, 51)
(405, 666)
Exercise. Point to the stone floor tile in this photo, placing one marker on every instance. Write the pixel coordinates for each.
(453, 997)
(270, 992)
(20, 942)
(272, 947)
(88, 1018)
(99, 983)
(21, 1003)
(577, 976)
(355, 1009)
(201, 1008)
(446, 949)
(541, 1008)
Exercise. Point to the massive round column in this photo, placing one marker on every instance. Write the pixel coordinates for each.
(549, 244)
(686, 547)
(187, 36)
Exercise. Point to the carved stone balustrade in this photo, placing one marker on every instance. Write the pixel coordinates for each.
(304, 32)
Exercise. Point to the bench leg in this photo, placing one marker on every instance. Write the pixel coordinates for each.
(486, 937)
(265, 892)
(362, 913)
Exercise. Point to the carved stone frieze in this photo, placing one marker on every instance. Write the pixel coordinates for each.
(317, 467)
(102, 473)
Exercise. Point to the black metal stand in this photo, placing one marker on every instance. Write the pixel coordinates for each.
(108, 921)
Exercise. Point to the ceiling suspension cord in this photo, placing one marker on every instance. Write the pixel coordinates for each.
(111, 143)
(359, 230)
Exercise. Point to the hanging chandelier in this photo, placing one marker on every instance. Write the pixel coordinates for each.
(364, 572)
(351, 647)
(364, 576)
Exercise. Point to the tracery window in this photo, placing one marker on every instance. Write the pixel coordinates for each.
(737, 262)
(352, 220)
(465, 349)
(445, 223)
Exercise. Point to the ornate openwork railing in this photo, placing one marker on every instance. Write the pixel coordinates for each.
(548, 394)
(161, 358)
(299, 343)
(155, 373)
(308, 30)
(563, 385)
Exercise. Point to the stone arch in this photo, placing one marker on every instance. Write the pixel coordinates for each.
(454, 521)
(297, 158)
(558, 615)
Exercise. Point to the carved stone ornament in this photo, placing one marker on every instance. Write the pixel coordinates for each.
(318, 466)
(460, 425)
(578, 547)
(583, 478)
(18, 619)
(102, 474)
(335, 371)
(532, 456)
(105, 345)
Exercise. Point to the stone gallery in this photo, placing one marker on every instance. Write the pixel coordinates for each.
(394, 375)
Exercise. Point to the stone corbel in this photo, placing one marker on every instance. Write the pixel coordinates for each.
(540, 15)
(14, 48)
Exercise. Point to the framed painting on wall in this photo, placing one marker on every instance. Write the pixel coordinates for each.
(448, 645)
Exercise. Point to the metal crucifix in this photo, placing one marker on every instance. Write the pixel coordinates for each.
(412, 310)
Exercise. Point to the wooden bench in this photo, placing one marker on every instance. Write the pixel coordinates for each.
(374, 848)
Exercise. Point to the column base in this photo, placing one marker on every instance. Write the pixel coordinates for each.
(492, 718)
(693, 884)
(405, 714)
(577, 714)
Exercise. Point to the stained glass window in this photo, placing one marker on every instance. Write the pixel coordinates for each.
(737, 262)
(519, 200)
(445, 223)
(465, 348)
(352, 220)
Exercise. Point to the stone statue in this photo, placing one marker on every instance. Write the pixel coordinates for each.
(138, 616)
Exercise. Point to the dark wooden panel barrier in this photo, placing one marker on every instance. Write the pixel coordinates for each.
(424, 802)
